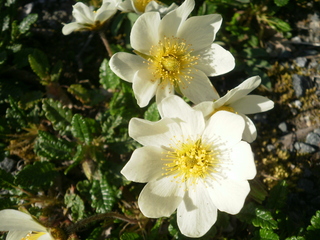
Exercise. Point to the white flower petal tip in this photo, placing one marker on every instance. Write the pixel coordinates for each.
(88, 20)
(177, 55)
(144, 6)
(191, 164)
(21, 225)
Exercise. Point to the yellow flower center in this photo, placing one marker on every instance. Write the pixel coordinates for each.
(33, 235)
(140, 5)
(192, 160)
(224, 108)
(172, 61)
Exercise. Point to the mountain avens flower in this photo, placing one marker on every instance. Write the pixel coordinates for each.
(22, 226)
(88, 20)
(190, 165)
(142, 6)
(173, 54)
(238, 101)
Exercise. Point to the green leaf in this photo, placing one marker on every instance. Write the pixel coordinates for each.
(108, 79)
(40, 174)
(264, 219)
(76, 205)
(80, 93)
(103, 196)
(109, 125)
(152, 113)
(315, 222)
(40, 65)
(266, 234)
(58, 115)
(81, 129)
(56, 71)
(3, 57)
(279, 24)
(295, 238)
(52, 148)
(278, 196)
(25, 24)
(78, 157)
(16, 113)
(130, 236)
(6, 179)
(95, 234)
(281, 3)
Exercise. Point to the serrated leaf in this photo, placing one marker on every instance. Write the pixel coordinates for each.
(59, 116)
(315, 221)
(264, 219)
(281, 3)
(6, 179)
(40, 65)
(81, 129)
(56, 71)
(80, 93)
(25, 24)
(152, 113)
(108, 79)
(14, 30)
(279, 24)
(16, 113)
(76, 205)
(40, 174)
(103, 196)
(95, 234)
(109, 125)
(266, 234)
(295, 238)
(130, 236)
(278, 196)
(78, 157)
(52, 148)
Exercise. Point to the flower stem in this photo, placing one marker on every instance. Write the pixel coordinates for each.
(105, 42)
(82, 223)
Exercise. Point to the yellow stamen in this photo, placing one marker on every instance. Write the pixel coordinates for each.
(172, 62)
(140, 5)
(192, 160)
(33, 235)
(224, 108)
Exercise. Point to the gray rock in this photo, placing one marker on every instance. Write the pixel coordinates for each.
(300, 84)
(7, 164)
(301, 61)
(283, 127)
(313, 139)
(305, 148)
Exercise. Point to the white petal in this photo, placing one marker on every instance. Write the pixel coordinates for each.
(71, 27)
(11, 220)
(215, 60)
(125, 65)
(252, 104)
(192, 121)
(206, 108)
(145, 164)
(160, 198)
(15, 235)
(82, 13)
(200, 31)
(143, 87)
(199, 89)
(144, 33)
(164, 91)
(242, 89)
(228, 127)
(242, 166)
(171, 22)
(196, 214)
(158, 134)
(229, 195)
(126, 6)
(105, 15)
(250, 131)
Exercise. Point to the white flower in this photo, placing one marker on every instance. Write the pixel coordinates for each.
(21, 226)
(189, 164)
(173, 54)
(142, 6)
(87, 19)
(238, 101)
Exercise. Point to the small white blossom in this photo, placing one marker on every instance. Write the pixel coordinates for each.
(142, 6)
(175, 53)
(22, 226)
(238, 101)
(88, 20)
(190, 165)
